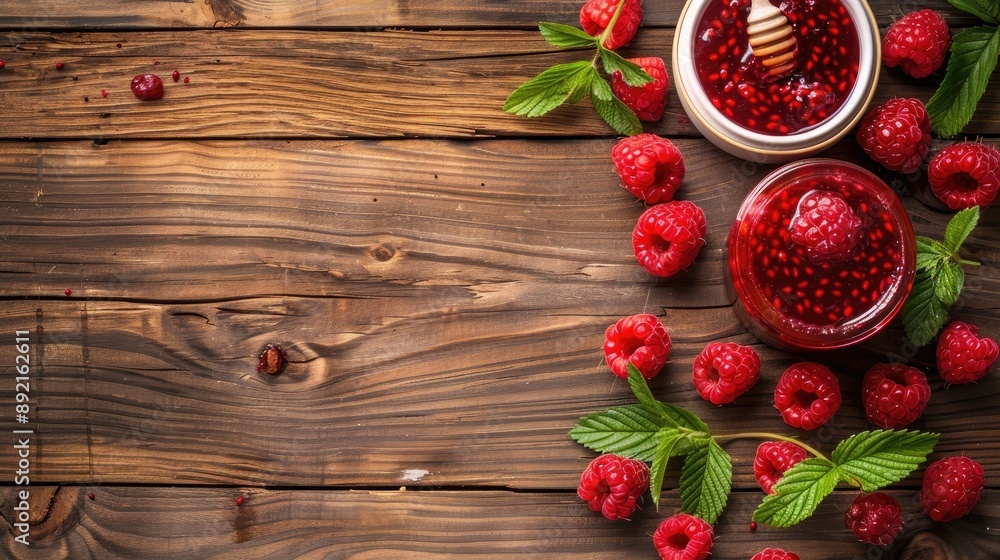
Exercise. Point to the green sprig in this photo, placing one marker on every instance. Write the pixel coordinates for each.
(655, 431)
(939, 279)
(974, 54)
(574, 81)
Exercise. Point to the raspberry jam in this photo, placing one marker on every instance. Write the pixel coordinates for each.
(788, 295)
(737, 85)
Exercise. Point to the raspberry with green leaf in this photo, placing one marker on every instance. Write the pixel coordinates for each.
(613, 485)
(597, 15)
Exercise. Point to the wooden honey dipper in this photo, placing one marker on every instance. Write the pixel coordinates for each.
(772, 39)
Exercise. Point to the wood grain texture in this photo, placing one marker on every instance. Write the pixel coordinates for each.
(281, 84)
(340, 14)
(449, 327)
(168, 523)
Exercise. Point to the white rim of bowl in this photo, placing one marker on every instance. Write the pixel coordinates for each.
(826, 133)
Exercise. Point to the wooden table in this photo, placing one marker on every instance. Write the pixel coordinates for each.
(338, 178)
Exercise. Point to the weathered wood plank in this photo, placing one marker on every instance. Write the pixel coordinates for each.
(195, 221)
(384, 391)
(169, 523)
(339, 14)
(269, 84)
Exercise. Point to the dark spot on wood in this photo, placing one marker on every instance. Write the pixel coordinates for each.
(385, 252)
(86, 99)
(100, 141)
(75, 78)
(227, 13)
(926, 546)
(105, 115)
(119, 45)
(482, 184)
(272, 360)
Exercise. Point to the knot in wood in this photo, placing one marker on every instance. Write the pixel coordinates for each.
(272, 360)
(385, 252)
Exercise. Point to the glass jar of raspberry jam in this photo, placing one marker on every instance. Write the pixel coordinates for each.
(822, 255)
(730, 97)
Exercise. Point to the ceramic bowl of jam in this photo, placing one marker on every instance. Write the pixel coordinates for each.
(729, 96)
(822, 255)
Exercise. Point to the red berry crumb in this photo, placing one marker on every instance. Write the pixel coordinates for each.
(897, 134)
(951, 488)
(825, 227)
(775, 554)
(272, 360)
(91, 496)
(894, 395)
(104, 93)
(68, 292)
(651, 167)
(724, 371)
(187, 79)
(753, 525)
(807, 395)
(966, 174)
(874, 519)
(612, 485)
(683, 537)
(239, 500)
(962, 356)
(176, 75)
(668, 237)
(2, 64)
(640, 340)
(60, 65)
(147, 87)
(595, 16)
(647, 100)
(917, 42)
(773, 458)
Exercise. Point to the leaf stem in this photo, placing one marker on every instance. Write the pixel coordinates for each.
(611, 25)
(965, 262)
(766, 435)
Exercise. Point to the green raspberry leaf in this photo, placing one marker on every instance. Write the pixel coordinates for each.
(948, 283)
(565, 36)
(880, 457)
(664, 450)
(923, 312)
(929, 246)
(974, 54)
(695, 431)
(584, 84)
(547, 90)
(798, 493)
(706, 480)
(640, 388)
(613, 111)
(632, 73)
(986, 10)
(959, 228)
(630, 431)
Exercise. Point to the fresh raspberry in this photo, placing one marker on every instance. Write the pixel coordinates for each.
(651, 167)
(897, 134)
(826, 227)
(775, 554)
(724, 371)
(874, 519)
(966, 174)
(773, 458)
(807, 395)
(963, 357)
(596, 15)
(894, 395)
(612, 485)
(951, 488)
(639, 339)
(683, 537)
(917, 42)
(668, 237)
(646, 100)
